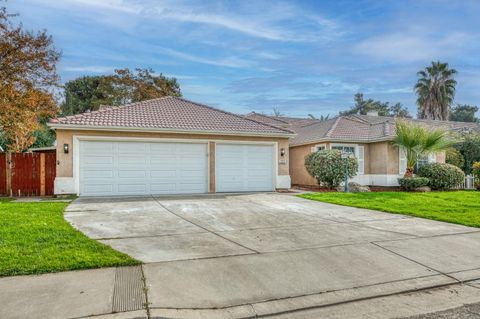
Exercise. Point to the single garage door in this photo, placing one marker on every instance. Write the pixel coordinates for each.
(138, 168)
(244, 167)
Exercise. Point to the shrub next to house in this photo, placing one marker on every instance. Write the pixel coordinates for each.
(328, 167)
(412, 183)
(476, 174)
(441, 175)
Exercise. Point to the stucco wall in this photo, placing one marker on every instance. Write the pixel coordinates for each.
(298, 172)
(65, 161)
(441, 157)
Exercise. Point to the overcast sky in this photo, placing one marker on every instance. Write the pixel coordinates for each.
(299, 56)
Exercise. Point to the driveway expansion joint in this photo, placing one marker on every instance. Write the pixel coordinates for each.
(204, 228)
(417, 262)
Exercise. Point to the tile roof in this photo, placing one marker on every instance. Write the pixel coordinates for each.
(281, 121)
(363, 128)
(170, 113)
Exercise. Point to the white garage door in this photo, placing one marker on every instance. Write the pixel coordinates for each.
(243, 168)
(137, 168)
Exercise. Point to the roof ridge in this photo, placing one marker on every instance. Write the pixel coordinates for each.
(275, 118)
(233, 114)
(356, 117)
(334, 125)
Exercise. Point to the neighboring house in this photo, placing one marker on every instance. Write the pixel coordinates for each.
(168, 146)
(368, 137)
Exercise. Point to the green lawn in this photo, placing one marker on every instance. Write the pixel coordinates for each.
(34, 238)
(460, 207)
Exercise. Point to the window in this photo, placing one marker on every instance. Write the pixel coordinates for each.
(346, 149)
(425, 159)
(318, 147)
(422, 160)
(357, 151)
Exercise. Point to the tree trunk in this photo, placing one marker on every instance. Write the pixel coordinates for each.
(409, 172)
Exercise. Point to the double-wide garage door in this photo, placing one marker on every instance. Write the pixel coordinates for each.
(143, 168)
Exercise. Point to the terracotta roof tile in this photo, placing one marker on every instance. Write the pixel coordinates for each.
(363, 128)
(171, 113)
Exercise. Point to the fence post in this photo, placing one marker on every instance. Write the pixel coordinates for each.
(9, 173)
(42, 174)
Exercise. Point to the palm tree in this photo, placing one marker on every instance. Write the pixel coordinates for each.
(435, 90)
(418, 141)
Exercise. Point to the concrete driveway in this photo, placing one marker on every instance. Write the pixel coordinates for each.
(264, 254)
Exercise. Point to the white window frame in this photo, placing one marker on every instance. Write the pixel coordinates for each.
(402, 160)
(361, 170)
(316, 147)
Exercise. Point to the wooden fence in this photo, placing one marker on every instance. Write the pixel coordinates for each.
(27, 174)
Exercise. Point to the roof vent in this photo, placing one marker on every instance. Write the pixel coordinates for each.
(372, 113)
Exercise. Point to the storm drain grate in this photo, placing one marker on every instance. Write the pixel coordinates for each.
(128, 292)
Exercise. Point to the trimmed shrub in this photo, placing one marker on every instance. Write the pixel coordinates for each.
(454, 157)
(476, 174)
(411, 183)
(328, 167)
(442, 176)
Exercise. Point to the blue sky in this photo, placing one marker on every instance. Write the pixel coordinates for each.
(298, 56)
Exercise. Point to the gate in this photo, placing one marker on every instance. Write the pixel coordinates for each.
(27, 174)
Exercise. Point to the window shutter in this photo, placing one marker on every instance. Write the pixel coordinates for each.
(313, 149)
(361, 160)
(402, 160)
(432, 158)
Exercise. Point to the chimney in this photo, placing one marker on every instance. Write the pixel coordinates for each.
(372, 113)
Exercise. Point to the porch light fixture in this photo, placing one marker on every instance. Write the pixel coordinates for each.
(65, 148)
(282, 152)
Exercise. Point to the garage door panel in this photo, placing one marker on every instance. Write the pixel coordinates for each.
(132, 174)
(244, 167)
(188, 187)
(98, 160)
(98, 146)
(131, 159)
(132, 148)
(132, 188)
(142, 168)
(97, 173)
(163, 174)
(98, 188)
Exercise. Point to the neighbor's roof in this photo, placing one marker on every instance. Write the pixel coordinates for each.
(169, 113)
(281, 121)
(362, 128)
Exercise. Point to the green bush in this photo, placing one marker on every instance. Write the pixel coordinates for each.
(411, 183)
(328, 167)
(454, 157)
(476, 174)
(442, 176)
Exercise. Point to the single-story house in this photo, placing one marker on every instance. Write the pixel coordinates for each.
(168, 145)
(368, 137)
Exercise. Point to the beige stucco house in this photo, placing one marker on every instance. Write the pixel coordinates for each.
(368, 137)
(168, 146)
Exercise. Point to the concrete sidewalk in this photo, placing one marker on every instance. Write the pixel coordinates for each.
(261, 255)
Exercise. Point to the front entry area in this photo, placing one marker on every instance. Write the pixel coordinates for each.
(142, 168)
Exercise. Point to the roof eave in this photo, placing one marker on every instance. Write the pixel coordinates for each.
(164, 130)
(340, 140)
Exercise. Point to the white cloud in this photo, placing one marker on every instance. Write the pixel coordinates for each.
(232, 62)
(255, 20)
(89, 69)
(411, 47)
